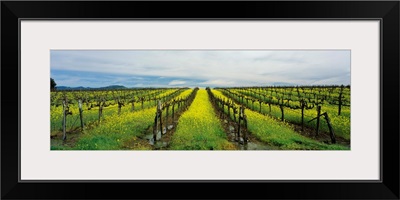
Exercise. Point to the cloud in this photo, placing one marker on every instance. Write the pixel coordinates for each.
(219, 83)
(201, 67)
(176, 82)
(333, 80)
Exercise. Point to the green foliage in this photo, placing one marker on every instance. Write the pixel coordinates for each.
(340, 123)
(199, 128)
(114, 132)
(280, 134)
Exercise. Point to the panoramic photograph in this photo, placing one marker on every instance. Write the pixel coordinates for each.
(200, 100)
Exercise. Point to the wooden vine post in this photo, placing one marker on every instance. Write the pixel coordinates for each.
(234, 113)
(157, 121)
(223, 109)
(66, 112)
(242, 117)
(80, 113)
(166, 117)
(87, 100)
(173, 111)
(328, 121)
(331, 132)
(64, 120)
(120, 104)
(238, 124)
(101, 104)
(283, 114)
(229, 109)
(245, 125)
(302, 103)
(340, 99)
(318, 116)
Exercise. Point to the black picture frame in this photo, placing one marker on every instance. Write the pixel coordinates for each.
(13, 11)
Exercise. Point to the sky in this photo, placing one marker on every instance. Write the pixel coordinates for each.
(199, 68)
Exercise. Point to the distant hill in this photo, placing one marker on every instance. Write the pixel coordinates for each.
(90, 88)
(72, 88)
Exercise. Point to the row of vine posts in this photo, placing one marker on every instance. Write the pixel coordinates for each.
(179, 104)
(240, 122)
(101, 103)
(282, 104)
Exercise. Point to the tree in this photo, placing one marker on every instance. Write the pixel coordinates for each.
(52, 84)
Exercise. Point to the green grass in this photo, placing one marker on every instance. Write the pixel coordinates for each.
(281, 134)
(92, 115)
(116, 132)
(340, 123)
(199, 128)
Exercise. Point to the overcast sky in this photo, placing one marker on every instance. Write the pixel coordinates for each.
(201, 68)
